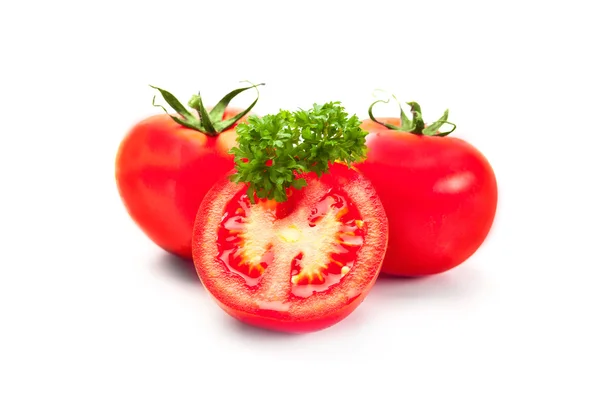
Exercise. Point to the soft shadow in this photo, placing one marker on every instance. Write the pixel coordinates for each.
(178, 268)
(252, 332)
(462, 281)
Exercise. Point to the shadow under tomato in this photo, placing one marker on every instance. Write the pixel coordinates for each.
(178, 268)
(459, 282)
(252, 332)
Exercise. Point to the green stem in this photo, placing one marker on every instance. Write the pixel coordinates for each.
(417, 124)
(210, 123)
(205, 122)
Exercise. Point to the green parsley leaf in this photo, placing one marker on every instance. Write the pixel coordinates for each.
(274, 150)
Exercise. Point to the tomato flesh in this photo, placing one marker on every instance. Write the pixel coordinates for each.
(307, 274)
(297, 266)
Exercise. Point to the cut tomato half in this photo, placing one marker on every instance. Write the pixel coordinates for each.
(297, 266)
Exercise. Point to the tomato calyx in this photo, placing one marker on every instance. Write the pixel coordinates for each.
(416, 125)
(211, 122)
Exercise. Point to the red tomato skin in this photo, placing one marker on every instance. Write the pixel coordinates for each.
(274, 321)
(230, 295)
(163, 170)
(440, 195)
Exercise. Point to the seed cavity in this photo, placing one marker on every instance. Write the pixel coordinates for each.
(321, 249)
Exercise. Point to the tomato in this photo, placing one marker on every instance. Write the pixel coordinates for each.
(163, 171)
(295, 266)
(439, 193)
(164, 167)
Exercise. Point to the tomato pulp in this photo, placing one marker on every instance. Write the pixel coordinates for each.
(163, 170)
(439, 193)
(296, 266)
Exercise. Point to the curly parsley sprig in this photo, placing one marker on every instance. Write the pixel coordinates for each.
(275, 149)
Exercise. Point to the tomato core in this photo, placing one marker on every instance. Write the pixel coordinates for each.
(320, 245)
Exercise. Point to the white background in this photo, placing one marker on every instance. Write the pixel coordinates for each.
(91, 309)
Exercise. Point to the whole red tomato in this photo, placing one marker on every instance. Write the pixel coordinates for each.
(166, 164)
(439, 193)
(295, 266)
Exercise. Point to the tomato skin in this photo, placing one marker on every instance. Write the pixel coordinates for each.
(280, 322)
(291, 314)
(440, 195)
(163, 170)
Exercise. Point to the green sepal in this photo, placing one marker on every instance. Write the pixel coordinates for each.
(417, 124)
(209, 123)
(191, 125)
(405, 121)
(216, 114)
(173, 102)
(389, 126)
(189, 120)
(442, 134)
(432, 130)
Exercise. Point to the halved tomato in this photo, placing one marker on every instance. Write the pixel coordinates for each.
(296, 266)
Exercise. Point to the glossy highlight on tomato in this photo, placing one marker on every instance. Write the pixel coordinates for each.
(295, 266)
